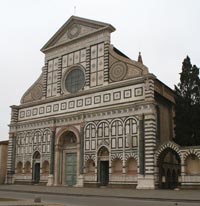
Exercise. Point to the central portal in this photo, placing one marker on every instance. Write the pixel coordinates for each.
(70, 169)
(67, 168)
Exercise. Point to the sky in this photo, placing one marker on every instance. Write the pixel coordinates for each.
(164, 31)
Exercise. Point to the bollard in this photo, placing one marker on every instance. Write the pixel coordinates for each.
(37, 199)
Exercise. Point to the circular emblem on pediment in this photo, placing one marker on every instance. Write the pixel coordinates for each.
(36, 93)
(74, 31)
(118, 71)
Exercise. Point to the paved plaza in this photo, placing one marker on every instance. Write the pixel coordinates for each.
(169, 195)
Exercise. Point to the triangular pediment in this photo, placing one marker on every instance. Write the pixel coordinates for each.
(75, 28)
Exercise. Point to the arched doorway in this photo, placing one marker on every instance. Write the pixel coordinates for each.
(68, 159)
(103, 165)
(169, 165)
(36, 167)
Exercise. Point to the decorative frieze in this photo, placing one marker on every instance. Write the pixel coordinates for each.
(106, 98)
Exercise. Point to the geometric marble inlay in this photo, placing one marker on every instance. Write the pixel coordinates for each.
(106, 97)
(118, 71)
(138, 91)
(97, 99)
(116, 95)
(127, 93)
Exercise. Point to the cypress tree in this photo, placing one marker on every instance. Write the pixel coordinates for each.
(187, 119)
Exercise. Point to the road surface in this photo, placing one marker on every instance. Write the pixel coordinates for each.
(91, 201)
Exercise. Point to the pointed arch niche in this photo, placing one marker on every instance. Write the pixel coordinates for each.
(103, 166)
(36, 167)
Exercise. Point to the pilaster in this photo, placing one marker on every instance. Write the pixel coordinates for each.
(11, 159)
(44, 89)
(14, 114)
(106, 62)
(82, 147)
(146, 179)
(87, 72)
(149, 90)
(59, 75)
(51, 175)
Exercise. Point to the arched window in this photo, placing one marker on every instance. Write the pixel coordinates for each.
(117, 128)
(46, 136)
(131, 133)
(130, 126)
(103, 130)
(29, 137)
(90, 166)
(192, 165)
(90, 131)
(19, 168)
(131, 166)
(20, 138)
(117, 166)
(100, 130)
(45, 167)
(37, 137)
(27, 167)
(87, 132)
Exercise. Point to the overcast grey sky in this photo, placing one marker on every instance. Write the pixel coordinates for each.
(165, 31)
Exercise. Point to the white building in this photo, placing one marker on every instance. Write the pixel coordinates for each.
(96, 117)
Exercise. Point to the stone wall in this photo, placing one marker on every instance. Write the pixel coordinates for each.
(3, 160)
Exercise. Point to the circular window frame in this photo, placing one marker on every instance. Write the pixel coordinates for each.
(65, 76)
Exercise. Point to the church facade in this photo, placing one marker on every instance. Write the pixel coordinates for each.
(95, 117)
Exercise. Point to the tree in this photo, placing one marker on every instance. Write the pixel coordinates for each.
(187, 119)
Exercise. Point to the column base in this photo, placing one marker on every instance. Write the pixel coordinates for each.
(146, 182)
(50, 180)
(10, 179)
(79, 181)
